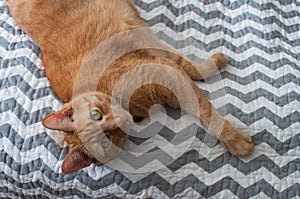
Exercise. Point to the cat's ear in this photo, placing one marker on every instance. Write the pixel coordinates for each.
(60, 120)
(76, 160)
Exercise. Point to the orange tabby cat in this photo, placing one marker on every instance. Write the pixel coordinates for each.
(67, 31)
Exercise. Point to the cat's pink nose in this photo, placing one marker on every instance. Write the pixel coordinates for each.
(123, 123)
(119, 121)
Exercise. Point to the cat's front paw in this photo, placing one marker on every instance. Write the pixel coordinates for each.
(238, 143)
(220, 60)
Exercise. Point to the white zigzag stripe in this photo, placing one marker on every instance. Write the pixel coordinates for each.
(212, 178)
(264, 123)
(20, 70)
(217, 21)
(210, 154)
(68, 186)
(27, 104)
(242, 56)
(127, 168)
(22, 129)
(257, 104)
(190, 49)
(192, 33)
(96, 172)
(188, 193)
(261, 149)
(257, 67)
(256, 51)
(187, 120)
(151, 192)
(8, 19)
(260, 196)
(275, 74)
(233, 13)
(27, 177)
(24, 52)
(174, 125)
(173, 177)
(12, 38)
(224, 194)
(246, 89)
(219, 34)
(74, 184)
(174, 151)
(13, 188)
(3, 3)
(28, 156)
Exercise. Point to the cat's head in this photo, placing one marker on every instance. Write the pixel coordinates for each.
(92, 119)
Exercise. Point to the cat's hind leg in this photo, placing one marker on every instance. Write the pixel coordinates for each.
(196, 103)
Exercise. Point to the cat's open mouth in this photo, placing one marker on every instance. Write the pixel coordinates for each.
(69, 115)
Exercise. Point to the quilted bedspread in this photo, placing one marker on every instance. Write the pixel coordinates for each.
(258, 92)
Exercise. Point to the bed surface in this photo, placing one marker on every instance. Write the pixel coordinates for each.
(258, 92)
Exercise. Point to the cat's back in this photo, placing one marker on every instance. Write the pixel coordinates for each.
(57, 21)
(68, 30)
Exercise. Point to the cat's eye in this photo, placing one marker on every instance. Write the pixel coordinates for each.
(96, 115)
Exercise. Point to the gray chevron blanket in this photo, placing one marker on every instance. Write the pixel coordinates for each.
(258, 92)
